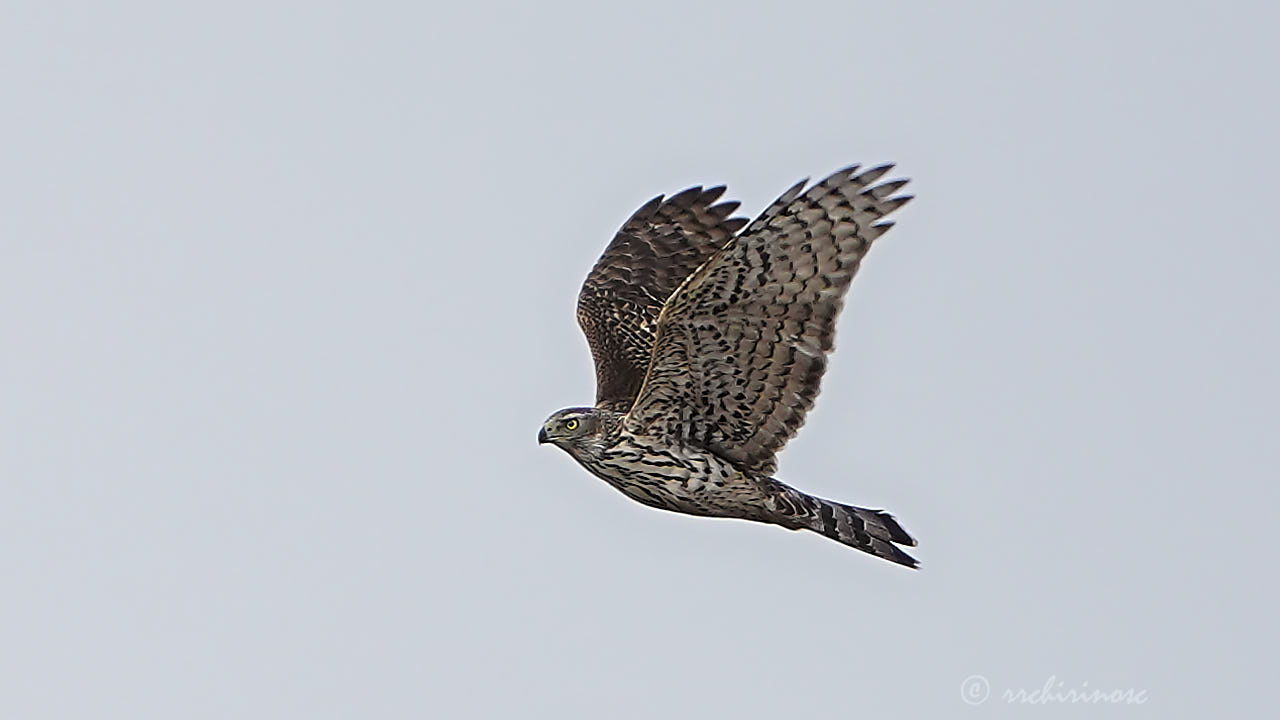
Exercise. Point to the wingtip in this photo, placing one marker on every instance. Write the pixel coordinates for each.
(887, 189)
(651, 205)
(792, 192)
(687, 197)
(897, 201)
(713, 193)
(872, 174)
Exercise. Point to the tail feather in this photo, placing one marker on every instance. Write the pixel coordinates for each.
(871, 531)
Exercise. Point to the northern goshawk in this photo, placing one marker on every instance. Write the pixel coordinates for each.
(710, 340)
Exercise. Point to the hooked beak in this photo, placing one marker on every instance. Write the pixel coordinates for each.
(542, 436)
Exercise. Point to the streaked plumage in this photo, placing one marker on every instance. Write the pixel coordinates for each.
(710, 342)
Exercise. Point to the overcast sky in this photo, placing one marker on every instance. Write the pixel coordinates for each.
(287, 289)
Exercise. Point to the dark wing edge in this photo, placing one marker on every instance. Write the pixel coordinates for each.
(742, 345)
(650, 256)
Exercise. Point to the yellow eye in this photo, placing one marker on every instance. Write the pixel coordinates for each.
(571, 424)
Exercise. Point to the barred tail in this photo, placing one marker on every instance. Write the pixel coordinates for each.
(871, 531)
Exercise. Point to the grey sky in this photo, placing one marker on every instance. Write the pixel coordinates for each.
(286, 290)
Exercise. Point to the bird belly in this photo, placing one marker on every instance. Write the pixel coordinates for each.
(680, 480)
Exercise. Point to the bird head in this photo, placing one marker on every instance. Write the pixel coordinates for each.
(569, 425)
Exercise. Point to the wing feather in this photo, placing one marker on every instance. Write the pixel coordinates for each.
(654, 251)
(742, 344)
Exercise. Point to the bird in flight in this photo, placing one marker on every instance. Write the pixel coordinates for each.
(710, 337)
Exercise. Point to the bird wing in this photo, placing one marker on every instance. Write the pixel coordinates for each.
(656, 249)
(742, 345)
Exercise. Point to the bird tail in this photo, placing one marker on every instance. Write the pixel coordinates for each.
(871, 531)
